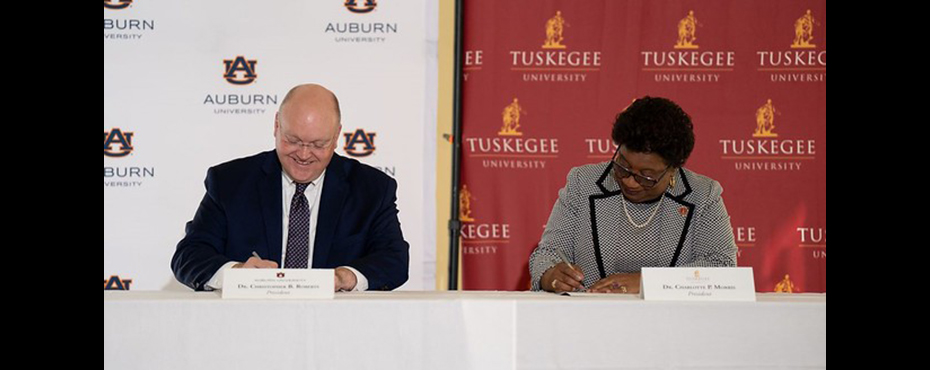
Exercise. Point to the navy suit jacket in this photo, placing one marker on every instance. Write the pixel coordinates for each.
(241, 213)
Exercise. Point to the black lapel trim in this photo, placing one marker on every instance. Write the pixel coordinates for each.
(600, 180)
(681, 200)
(597, 243)
(607, 194)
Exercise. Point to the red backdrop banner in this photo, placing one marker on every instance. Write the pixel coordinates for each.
(544, 81)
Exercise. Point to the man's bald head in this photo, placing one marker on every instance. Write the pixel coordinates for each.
(313, 94)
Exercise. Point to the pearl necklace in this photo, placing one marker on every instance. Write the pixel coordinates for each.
(630, 219)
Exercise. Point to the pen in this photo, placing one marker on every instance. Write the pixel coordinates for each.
(562, 256)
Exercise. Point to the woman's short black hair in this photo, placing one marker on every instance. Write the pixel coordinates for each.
(656, 125)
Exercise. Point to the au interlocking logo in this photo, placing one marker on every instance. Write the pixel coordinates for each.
(116, 283)
(119, 139)
(359, 138)
(240, 71)
(116, 4)
(367, 7)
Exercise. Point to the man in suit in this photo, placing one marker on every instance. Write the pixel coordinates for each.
(298, 206)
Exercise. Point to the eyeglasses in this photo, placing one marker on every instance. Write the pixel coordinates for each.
(645, 181)
(315, 145)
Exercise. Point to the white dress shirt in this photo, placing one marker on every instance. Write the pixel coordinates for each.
(312, 194)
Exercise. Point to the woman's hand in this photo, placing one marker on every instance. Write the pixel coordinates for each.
(617, 283)
(562, 278)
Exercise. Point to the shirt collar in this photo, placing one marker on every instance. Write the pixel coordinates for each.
(290, 182)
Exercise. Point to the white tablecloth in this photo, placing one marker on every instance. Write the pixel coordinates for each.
(461, 330)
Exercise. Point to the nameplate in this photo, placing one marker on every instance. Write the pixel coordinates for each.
(278, 284)
(698, 284)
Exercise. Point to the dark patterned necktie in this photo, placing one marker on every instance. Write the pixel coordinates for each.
(298, 231)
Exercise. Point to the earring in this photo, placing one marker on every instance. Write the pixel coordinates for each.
(671, 184)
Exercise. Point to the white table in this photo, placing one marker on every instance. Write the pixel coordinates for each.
(461, 330)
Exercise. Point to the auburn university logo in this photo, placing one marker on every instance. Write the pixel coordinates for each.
(359, 137)
(117, 138)
(115, 283)
(116, 4)
(367, 7)
(240, 71)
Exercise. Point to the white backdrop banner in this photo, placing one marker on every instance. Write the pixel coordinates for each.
(188, 85)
